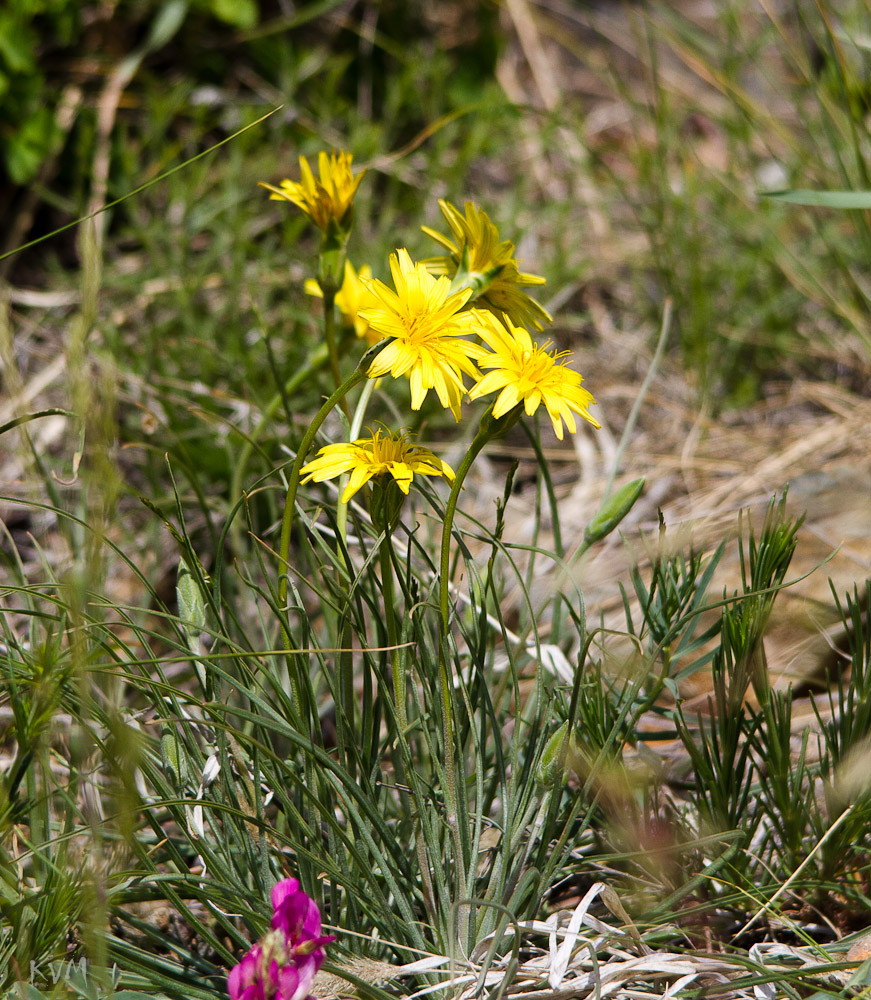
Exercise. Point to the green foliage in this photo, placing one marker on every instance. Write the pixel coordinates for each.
(612, 512)
(672, 606)
(28, 132)
(237, 13)
(40, 37)
(765, 802)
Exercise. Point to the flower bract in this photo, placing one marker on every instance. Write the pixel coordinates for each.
(324, 200)
(283, 964)
(489, 264)
(523, 372)
(380, 454)
(428, 328)
(353, 296)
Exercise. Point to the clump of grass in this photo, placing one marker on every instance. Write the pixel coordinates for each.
(765, 801)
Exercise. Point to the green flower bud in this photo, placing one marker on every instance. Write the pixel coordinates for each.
(612, 511)
(385, 503)
(561, 754)
(496, 427)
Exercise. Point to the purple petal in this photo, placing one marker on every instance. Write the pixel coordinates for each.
(243, 981)
(295, 982)
(294, 950)
(311, 925)
(295, 913)
(312, 951)
(234, 982)
(281, 890)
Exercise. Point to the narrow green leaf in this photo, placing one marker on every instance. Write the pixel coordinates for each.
(27, 417)
(165, 25)
(822, 199)
(191, 605)
(174, 758)
(238, 13)
(142, 187)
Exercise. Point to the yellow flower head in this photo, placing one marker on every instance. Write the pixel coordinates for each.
(490, 263)
(353, 296)
(523, 372)
(326, 200)
(428, 326)
(380, 454)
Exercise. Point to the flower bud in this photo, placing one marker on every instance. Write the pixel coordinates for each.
(385, 503)
(612, 511)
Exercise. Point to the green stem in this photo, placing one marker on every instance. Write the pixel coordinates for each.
(481, 438)
(330, 336)
(316, 361)
(476, 281)
(396, 668)
(344, 659)
(346, 674)
(640, 396)
(534, 440)
(488, 429)
(353, 379)
(404, 764)
(354, 433)
(286, 527)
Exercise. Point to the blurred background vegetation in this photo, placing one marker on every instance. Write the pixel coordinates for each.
(624, 144)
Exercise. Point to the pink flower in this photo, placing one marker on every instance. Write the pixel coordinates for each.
(295, 913)
(244, 982)
(283, 964)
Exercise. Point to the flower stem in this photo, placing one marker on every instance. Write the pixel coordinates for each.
(293, 485)
(490, 427)
(404, 764)
(353, 434)
(330, 336)
(535, 440)
(346, 676)
(485, 432)
(315, 362)
(353, 379)
(481, 438)
(287, 525)
(396, 667)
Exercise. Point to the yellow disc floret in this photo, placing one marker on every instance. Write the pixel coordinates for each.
(523, 372)
(427, 326)
(324, 200)
(486, 263)
(380, 454)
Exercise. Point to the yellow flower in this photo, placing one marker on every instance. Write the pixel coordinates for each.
(524, 372)
(325, 200)
(489, 262)
(353, 296)
(380, 454)
(425, 320)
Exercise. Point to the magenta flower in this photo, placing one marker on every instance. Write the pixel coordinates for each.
(283, 964)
